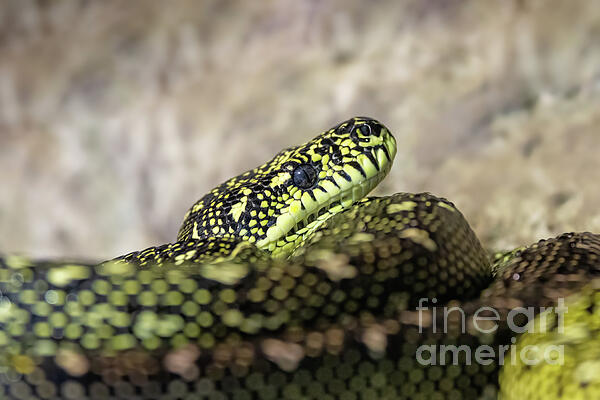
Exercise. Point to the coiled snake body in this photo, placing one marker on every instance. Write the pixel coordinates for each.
(286, 282)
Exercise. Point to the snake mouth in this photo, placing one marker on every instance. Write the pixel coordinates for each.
(342, 189)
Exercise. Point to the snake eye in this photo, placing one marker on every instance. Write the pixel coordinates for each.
(365, 129)
(304, 176)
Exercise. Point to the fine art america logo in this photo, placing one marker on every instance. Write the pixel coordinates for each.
(486, 321)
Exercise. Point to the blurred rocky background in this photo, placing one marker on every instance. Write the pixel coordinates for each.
(115, 116)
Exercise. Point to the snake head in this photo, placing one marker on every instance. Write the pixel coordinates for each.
(279, 202)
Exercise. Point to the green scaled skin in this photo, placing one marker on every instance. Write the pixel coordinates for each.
(451, 265)
(325, 324)
(576, 373)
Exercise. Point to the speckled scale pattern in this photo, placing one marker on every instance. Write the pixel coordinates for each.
(548, 269)
(262, 205)
(423, 238)
(534, 277)
(364, 349)
(264, 329)
(207, 250)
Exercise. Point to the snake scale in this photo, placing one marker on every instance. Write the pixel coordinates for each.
(286, 282)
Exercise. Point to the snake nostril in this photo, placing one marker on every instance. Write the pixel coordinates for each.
(348, 128)
(371, 128)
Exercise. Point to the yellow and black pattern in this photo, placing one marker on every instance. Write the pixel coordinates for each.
(207, 250)
(335, 321)
(280, 202)
(324, 324)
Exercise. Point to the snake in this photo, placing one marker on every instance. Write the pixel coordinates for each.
(289, 282)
